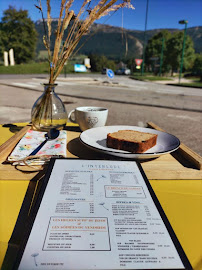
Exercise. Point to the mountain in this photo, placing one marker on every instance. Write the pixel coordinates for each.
(117, 43)
(196, 34)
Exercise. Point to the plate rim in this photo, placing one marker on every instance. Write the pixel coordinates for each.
(130, 153)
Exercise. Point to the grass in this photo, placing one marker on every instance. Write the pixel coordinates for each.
(196, 84)
(32, 68)
(191, 84)
(149, 78)
(194, 81)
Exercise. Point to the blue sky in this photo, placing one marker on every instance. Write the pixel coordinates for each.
(161, 13)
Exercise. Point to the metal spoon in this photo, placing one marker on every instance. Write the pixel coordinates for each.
(52, 134)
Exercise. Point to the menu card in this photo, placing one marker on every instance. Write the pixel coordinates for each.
(100, 215)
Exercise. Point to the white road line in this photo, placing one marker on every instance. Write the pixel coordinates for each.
(65, 83)
(34, 83)
(184, 117)
(137, 86)
(25, 85)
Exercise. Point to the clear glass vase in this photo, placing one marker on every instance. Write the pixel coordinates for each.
(48, 111)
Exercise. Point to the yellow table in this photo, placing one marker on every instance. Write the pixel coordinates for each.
(178, 188)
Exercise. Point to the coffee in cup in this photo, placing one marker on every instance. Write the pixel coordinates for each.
(89, 117)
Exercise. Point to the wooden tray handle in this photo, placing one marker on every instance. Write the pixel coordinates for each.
(183, 150)
(8, 146)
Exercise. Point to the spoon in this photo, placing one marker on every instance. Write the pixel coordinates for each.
(52, 134)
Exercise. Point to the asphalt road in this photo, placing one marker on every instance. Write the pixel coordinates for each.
(175, 109)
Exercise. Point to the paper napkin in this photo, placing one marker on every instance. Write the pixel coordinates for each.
(32, 139)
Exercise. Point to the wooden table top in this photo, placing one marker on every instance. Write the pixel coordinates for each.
(176, 179)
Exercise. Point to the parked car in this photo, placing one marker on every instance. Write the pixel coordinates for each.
(104, 71)
(123, 71)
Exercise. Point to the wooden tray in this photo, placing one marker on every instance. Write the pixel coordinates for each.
(183, 164)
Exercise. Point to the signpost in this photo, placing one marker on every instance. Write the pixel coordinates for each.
(79, 68)
(138, 63)
(161, 60)
(183, 47)
(110, 73)
(87, 62)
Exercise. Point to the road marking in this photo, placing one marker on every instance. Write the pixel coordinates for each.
(166, 91)
(66, 83)
(34, 83)
(184, 117)
(139, 87)
(25, 85)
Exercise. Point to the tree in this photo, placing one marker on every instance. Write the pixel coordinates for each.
(3, 41)
(174, 52)
(154, 48)
(197, 67)
(21, 34)
(99, 62)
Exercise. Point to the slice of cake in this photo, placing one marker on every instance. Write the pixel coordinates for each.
(131, 140)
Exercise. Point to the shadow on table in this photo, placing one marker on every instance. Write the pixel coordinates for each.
(13, 128)
(183, 160)
(74, 128)
(78, 149)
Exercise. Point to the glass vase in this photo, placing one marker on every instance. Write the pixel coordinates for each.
(48, 111)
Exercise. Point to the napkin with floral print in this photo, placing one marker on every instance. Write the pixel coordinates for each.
(32, 139)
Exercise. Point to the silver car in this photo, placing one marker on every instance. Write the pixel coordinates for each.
(123, 71)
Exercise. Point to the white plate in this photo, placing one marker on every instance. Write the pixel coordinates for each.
(96, 139)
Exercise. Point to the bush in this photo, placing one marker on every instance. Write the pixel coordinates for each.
(99, 62)
(197, 67)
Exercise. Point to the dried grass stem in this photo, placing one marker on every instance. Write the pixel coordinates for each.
(75, 26)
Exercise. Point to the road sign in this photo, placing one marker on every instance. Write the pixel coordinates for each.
(110, 73)
(79, 68)
(154, 58)
(138, 63)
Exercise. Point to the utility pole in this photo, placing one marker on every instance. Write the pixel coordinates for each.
(143, 57)
(183, 47)
(161, 60)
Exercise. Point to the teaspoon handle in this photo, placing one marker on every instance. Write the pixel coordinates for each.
(38, 148)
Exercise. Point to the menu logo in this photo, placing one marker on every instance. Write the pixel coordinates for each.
(100, 166)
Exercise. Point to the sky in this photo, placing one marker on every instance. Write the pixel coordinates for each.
(161, 13)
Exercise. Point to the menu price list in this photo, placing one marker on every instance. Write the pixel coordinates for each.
(77, 234)
(101, 212)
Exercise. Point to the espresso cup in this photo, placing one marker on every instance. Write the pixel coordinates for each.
(89, 117)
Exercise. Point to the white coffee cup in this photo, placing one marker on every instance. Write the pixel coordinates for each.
(89, 117)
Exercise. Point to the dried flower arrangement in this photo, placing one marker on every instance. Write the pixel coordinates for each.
(49, 111)
(76, 25)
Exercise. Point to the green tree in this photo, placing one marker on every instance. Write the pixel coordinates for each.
(197, 67)
(173, 52)
(99, 62)
(21, 34)
(3, 41)
(154, 48)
